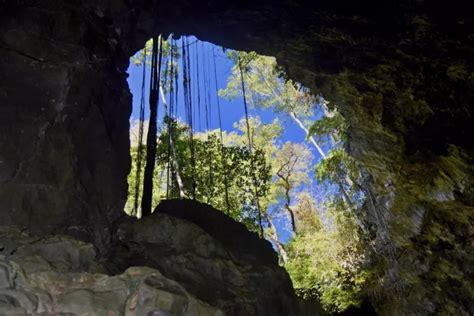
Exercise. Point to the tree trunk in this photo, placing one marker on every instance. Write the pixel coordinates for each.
(345, 194)
(274, 238)
(173, 150)
(311, 138)
(287, 205)
(152, 130)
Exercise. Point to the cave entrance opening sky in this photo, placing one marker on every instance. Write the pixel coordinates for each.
(231, 110)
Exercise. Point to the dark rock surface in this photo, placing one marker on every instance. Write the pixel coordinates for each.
(234, 236)
(401, 73)
(58, 275)
(213, 257)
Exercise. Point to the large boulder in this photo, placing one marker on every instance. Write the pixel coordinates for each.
(213, 257)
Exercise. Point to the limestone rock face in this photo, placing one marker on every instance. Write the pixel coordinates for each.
(59, 275)
(215, 258)
(61, 146)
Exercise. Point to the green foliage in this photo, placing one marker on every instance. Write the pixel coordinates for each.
(333, 125)
(215, 167)
(306, 213)
(169, 66)
(333, 167)
(267, 87)
(139, 57)
(328, 264)
(340, 168)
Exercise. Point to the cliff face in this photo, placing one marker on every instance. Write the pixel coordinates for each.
(400, 73)
(63, 124)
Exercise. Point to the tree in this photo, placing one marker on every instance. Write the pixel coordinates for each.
(306, 214)
(208, 174)
(269, 89)
(289, 168)
(324, 258)
(292, 161)
(328, 264)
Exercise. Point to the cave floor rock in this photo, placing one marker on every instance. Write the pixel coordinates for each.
(185, 259)
(61, 276)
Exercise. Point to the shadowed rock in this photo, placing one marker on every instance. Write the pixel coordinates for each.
(45, 276)
(213, 257)
(233, 235)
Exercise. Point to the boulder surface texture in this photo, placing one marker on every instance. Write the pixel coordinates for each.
(213, 257)
(58, 275)
(185, 259)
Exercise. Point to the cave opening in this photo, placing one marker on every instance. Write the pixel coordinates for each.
(281, 168)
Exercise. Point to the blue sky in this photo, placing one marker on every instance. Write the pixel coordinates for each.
(231, 110)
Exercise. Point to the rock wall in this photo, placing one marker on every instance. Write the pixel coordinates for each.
(401, 73)
(64, 109)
